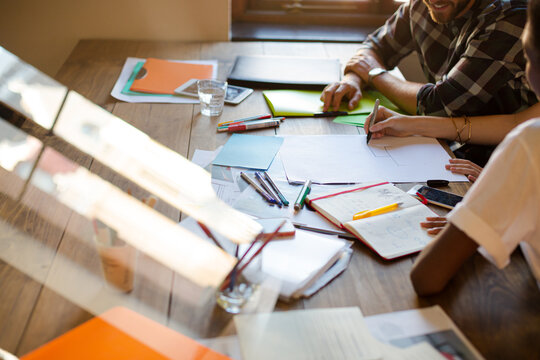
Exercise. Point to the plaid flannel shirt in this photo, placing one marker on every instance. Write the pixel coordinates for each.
(474, 64)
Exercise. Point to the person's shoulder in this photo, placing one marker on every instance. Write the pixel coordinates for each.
(497, 8)
(527, 134)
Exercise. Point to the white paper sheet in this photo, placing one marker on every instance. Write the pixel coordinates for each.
(347, 159)
(127, 70)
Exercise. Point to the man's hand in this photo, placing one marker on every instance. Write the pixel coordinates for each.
(348, 88)
(361, 64)
(389, 123)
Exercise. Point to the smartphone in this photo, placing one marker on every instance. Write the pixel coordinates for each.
(234, 95)
(436, 196)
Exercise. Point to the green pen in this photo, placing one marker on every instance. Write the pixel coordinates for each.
(299, 203)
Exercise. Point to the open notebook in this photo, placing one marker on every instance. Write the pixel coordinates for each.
(391, 235)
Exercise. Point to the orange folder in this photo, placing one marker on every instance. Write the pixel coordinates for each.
(162, 76)
(123, 334)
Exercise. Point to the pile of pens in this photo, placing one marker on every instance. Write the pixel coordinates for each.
(250, 123)
(272, 197)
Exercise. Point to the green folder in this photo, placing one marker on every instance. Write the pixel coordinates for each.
(307, 102)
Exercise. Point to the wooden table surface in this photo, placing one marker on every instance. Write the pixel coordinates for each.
(498, 311)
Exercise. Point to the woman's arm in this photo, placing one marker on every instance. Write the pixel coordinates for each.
(440, 260)
(486, 130)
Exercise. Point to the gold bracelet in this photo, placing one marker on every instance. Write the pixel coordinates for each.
(458, 137)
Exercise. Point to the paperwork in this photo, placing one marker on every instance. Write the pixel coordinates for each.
(249, 151)
(392, 234)
(127, 71)
(431, 325)
(337, 333)
(347, 159)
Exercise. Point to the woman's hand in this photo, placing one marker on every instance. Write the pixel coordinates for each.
(389, 123)
(464, 167)
(434, 224)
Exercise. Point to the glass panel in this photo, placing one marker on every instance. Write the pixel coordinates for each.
(28, 91)
(163, 172)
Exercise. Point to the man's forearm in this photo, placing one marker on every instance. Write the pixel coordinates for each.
(400, 92)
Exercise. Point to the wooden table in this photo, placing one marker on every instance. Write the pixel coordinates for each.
(499, 311)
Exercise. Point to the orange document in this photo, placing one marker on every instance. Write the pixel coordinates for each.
(162, 76)
(121, 333)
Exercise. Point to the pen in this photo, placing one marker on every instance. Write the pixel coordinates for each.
(373, 119)
(382, 210)
(236, 122)
(276, 189)
(250, 125)
(330, 113)
(256, 117)
(267, 189)
(299, 203)
(323, 231)
(257, 188)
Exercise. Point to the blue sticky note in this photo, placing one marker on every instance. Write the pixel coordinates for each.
(249, 151)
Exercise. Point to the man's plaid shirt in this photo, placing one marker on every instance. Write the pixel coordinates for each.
(474, 64)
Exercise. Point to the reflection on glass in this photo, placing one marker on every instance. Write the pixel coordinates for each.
(28, 91)
(134, 222)
(156, 168)
(18, 153)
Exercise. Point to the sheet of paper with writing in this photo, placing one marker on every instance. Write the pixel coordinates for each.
(337, 333)
(392, 234)
(347, 159)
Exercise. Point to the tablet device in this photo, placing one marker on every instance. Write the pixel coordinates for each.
(234, 95)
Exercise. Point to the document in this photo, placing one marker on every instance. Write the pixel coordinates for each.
(249, 151)
(431, 325)
(347, 159)
(391, 234)
(337, 333)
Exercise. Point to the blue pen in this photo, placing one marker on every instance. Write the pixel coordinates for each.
(267, 189)
(263, 193)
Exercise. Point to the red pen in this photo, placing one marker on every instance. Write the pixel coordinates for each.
(251, 125)
(251, 118)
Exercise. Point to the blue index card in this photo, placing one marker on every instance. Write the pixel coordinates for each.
(249, 151)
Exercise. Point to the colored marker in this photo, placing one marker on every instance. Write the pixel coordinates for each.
(373, 119)
(276, 189)
(251, 118)
(251, 125)
(299, 203)
(382, 210)
(267, 189)
(263, 193)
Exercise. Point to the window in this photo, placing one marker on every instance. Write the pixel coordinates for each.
(314, 12)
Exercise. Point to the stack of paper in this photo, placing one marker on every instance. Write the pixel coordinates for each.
(154, 80)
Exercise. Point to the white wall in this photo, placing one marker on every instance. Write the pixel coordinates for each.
(43, 32)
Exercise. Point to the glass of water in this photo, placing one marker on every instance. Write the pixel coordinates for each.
(212, 96)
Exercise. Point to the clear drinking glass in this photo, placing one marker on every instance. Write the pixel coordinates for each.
(212, 96)
(245, 288)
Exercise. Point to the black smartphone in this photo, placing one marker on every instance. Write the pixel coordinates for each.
(436, 196)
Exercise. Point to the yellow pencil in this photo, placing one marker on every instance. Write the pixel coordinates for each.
(378, 211)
